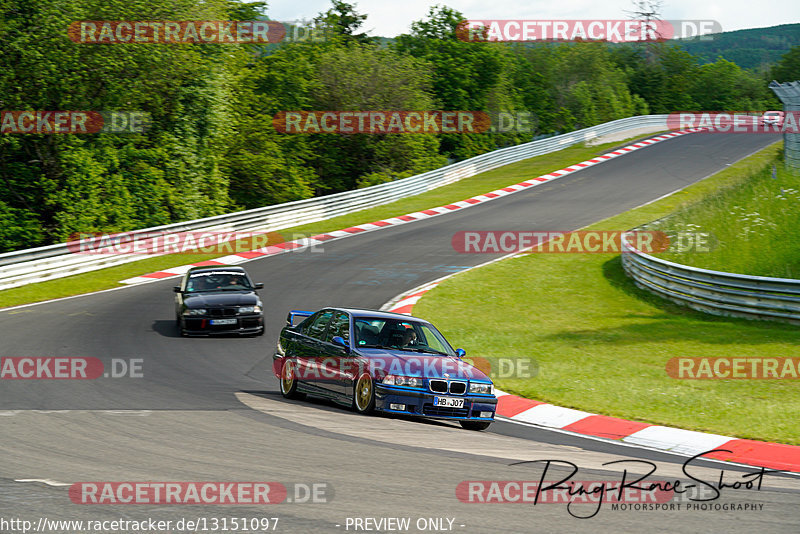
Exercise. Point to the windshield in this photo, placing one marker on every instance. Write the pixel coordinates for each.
(407, 335)
(218, 281)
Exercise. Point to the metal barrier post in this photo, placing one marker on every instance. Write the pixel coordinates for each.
(789, 93)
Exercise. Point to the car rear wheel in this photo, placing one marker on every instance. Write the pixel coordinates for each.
(475, 425)
(289, 380)
(364, 394)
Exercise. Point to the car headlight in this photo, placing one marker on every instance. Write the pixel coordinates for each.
(195, 311)
(408, 381)
(250, 309)
(478, 387)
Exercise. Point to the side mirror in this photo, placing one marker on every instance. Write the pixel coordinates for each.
(461, 353)
(259, 286)
(339, 340)
(176, 289)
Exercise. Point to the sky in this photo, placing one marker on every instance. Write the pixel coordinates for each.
(388, 18)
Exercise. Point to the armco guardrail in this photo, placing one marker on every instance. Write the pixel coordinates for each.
(715, 292)
(55, 261)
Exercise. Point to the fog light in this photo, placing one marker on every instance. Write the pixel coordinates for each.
(397, 407)
(485, 414)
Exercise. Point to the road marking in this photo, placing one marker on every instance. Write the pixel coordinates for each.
(47, 481)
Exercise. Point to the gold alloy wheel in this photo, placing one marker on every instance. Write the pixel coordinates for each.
(287, 377)
(363, 393)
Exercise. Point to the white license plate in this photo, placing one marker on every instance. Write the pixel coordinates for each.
(223, 321)
(448, 402)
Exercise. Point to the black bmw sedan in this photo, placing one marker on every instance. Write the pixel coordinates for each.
(219, 299)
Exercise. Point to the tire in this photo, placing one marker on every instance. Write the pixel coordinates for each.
(288, 380)
(475, 425)
(263, 329)
(364, 394)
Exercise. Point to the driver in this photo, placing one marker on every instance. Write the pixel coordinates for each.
(409, 338)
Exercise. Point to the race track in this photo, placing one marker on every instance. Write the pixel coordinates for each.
(208, 409)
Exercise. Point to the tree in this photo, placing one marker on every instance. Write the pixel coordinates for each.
(788, 68)
(342, 21)
(467, 76)
(113, 182)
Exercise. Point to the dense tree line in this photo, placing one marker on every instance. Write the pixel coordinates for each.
(211, 147)
(754, 48)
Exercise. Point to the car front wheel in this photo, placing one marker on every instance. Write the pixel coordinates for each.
(475, 425)
(289, 380)
(181, 331)
(364, 394)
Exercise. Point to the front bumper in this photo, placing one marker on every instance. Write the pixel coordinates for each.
(420, 403)
(245, 324)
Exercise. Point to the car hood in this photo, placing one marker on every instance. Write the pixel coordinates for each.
(398, 362)
(220, 299)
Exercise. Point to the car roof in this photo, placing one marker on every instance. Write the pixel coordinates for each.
(363, 312)
(211, 268)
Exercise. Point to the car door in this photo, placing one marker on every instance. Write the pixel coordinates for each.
(309, 349)
(337, 362)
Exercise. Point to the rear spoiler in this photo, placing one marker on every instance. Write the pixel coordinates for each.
(297, 313)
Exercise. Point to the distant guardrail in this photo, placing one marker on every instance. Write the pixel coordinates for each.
(55, 261)
(714, 292)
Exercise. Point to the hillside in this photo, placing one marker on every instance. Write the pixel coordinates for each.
(754, 48)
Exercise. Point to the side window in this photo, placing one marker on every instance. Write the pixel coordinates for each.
(340, 326)
(317, 328)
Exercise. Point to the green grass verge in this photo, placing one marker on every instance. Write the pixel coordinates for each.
(466, 188)
(743, 221)
(601, 344)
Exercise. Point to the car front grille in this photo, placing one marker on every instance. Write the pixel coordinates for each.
(458, 388)
(438, 386)
(222, 312)
(441, 411)
(442, 386)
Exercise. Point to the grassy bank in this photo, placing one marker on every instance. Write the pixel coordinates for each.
(752, 226)
(601, 344)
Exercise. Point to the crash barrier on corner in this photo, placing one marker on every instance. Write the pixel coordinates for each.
(789, 94)
(55, 261)
(714, 292)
